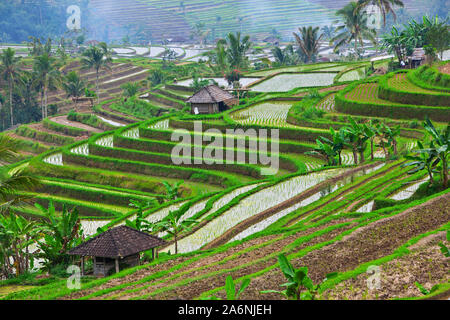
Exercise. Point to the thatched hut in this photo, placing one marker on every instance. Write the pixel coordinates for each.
(120, 245)
(417, 58)
(211, 99)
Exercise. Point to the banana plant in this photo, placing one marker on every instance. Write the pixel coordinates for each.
(230, 289)
(337, 142)
(62, 232)
(172, 191)
(174, 225)
(356, 139)
(440, 145)
(444, 249)
(324, 150)
(140, 223)
(423, 159)
(299, 285)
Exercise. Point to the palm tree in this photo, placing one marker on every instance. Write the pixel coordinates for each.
(354, 27)
(96, 58)
(9, 71)
(74, 86)
(236, 49)
(12, 181)
(46, 70)
(130, 89)
(308, 40)
(385, 6)
(328, 31)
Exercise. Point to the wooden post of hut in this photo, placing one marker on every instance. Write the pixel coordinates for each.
(115, 246)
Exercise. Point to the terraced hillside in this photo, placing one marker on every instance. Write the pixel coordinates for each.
(244, 213)
(174, 19)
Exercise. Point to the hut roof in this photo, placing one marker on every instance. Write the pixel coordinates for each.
(121, 241)
(211, 94)
(418, 54)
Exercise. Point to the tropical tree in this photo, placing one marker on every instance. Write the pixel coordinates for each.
(385, 6)
(96, 58)
(217, 59)
(299, 286)
(424, 158)
(236, 49)
(326, 150)
(9, 70)
(16, 233)
(328, 31)
(174, 226)
(130, 89)
(140, 223)
(62, 232)
(440, 144)
(354, 27)
(46, 70)
(308, 40)
(13, 181)
(74, 86)
(337, 142)
(172, 190)
(356, 139)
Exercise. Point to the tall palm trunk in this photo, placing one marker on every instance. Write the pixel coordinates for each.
(98, 93)
(11, 101)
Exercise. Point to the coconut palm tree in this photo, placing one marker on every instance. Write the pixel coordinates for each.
(385, 6)
(236, 49)
(354, 27)
(46, 70)
(308, 40)
(9, 69)
(96, 58)
(130, 89)
(12, 181)
(74, 86)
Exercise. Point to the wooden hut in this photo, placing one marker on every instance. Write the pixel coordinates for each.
(120, 245)
(211, 99)
(417, 58)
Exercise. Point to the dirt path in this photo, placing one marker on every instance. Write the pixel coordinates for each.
(64, 121)
(329, 89)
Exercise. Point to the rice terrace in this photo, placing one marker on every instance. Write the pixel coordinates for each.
(224, 150)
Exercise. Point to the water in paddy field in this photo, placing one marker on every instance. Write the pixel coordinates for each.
(315, 197)
(220, 81)
(251, 205)
(287, 82)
